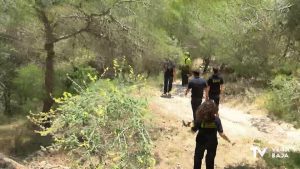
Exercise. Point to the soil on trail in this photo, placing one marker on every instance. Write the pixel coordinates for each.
(174, 144)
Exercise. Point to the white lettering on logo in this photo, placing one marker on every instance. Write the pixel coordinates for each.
(256, 150)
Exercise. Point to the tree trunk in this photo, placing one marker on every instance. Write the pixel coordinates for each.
(50, 41)
(7, 105)
(49, 47)
(49, 77)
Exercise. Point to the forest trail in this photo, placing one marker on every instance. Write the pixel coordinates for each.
(175, 147)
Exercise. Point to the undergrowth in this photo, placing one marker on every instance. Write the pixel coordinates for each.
(102, 126)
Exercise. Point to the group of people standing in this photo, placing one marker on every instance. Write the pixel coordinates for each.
(206, 119)
(212, 88)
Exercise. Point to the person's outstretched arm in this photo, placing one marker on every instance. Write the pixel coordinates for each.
(187, 91)
(221, 89)
(221, 86)
(208, 84)
(188, 88)
(220, 130)
(207, 89)
(195, 127)
(206, 92)
(225, 137)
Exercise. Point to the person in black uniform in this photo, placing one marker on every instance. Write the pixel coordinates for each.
(215, 86)
(198, 86)
(169, 76)
(207, 124)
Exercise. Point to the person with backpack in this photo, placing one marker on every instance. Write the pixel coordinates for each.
(198, 86)
(215, 86)
(169, 77)
(208, 124)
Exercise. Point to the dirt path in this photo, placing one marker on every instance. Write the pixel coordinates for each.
(175, 148)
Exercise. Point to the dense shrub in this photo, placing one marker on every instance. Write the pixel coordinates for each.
(29, 82)
(80, 76)
(28, 89)
(284, 98)
(102, 127)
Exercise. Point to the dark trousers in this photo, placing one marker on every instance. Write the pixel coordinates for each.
(211, 149)
(168, 84)
(184, 78)
(195, 102)
(215, 98)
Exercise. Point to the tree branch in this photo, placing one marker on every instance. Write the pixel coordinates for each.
(287, 46)
(107, 11)
(119, 23)
(84, 29)
(72, 34)
(2, 85)
(89, 18)
(280, 9)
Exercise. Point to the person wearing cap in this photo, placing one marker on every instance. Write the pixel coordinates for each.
(215, 86)
(198, 85)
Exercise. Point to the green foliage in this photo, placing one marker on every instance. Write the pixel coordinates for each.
(27, 89)
(257, 39)
(241, 34)
(103, 126)
(125, 74)
(81, 76)
(284, 98)
(7, 73)
(29, 82)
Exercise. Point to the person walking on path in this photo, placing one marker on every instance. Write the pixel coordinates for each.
(198, 86)
(215, 86)
(185, 69)
(207, 123)
(169, 77)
